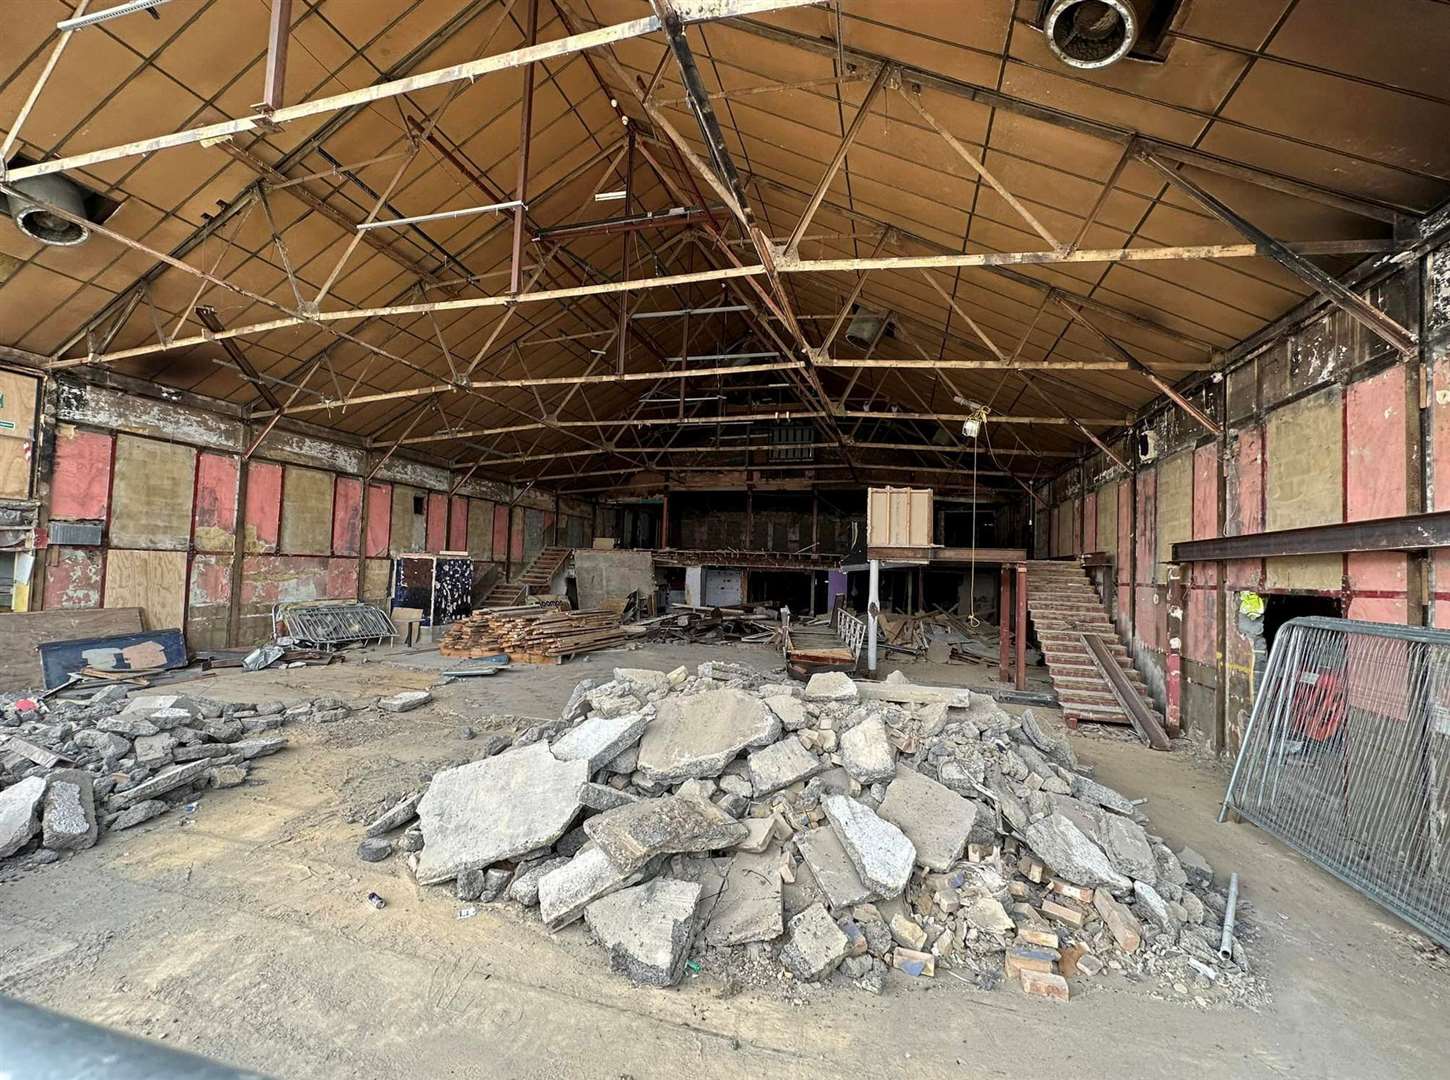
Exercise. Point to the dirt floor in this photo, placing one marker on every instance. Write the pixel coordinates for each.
(242, 931)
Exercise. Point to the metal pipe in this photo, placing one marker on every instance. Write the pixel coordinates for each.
(441, 215)
(725, 356)
(1226, 943)
(873, 609)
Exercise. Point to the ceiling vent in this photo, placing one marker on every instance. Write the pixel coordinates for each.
(29, 207)
(1147, 447)
(868, 327)
(1092, 34)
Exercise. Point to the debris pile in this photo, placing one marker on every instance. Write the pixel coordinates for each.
(836, 830)
(72, 771)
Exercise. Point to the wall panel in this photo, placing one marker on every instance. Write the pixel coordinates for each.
(152, 495)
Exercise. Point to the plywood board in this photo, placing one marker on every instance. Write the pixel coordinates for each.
(15, 468)
(1107, 510)
(377, 578)
(80, 479)
(18, 395)
(152, 495)
(407, 531)
(899, 517)
(22, 632)
(306, 511)
(154, 581)
(1175, 505)
(1304, 485)
(480, 528)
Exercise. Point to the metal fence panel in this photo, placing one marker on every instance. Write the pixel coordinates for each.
(1347, 759)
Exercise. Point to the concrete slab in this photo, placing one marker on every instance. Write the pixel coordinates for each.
(697, 735)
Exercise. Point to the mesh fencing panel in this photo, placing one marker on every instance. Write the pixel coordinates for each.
(1347, 760)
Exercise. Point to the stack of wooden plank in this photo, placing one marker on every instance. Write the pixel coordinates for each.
(537, 634)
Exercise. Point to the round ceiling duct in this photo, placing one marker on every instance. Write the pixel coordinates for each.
(29, 208)
(1093, 33)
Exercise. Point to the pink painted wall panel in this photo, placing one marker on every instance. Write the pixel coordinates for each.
(341, 578)
(458, 523)
(1376, 435)
(500, 531)
(1122, 558)
(516, 539)
(1200, 627)
(80, 484)
(1147, 550)
(73, 577)
(346, 515)
(1090, 521)
(215, 526)
(1146, 618)
(437, 534)
(264, 506)
(1074, 509)
(211, 580)
(1440, 567)
(1440, 437)
(380, 503)
(1384, 609)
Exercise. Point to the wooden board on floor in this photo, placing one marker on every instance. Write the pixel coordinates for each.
(21, 634)
(154, 581)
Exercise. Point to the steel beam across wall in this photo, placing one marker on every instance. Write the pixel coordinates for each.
(1411, 532)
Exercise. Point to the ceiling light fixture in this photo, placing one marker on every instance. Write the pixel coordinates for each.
(116, 12)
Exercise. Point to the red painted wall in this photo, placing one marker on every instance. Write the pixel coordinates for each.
(215, 527)
(380, 514)
(458, 523)
(437, 521)
(81, 482)
(264, 506)
(346, 515)
(1375, 485)
(500, 531)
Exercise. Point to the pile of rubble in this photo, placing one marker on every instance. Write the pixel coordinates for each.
(73, 770)
(833, 830)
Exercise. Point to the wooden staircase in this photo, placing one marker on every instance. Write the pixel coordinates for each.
(536, 577)
(1063, 605)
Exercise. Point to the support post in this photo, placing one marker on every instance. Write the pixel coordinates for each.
(526, 123)
(1004, 626)
(665, 519)
(1021, 626)
(278, 33)
(873, 609)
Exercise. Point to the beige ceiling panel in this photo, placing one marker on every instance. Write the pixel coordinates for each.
(1082, 98)
(1400, 43)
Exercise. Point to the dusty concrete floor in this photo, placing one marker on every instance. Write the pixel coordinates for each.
(241, 932)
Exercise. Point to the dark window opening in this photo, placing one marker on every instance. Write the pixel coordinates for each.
(1279, 608)
(420, 504)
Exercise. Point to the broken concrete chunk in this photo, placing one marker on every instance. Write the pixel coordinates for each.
(601, 739)
(224, 776)
(611, 699)
(525, 886)
(831, 686)
(565, 892)
(578, 703)
(780, 765)
(1093, 792)
(395, 818)
(934, 818)
(405, 701)
(742, 899)
(199, 752)
(867, 753)
(698, 735)
(632, 835)
(1155, 909)
(374, 849)
(815, 944)
(758, 834)
(20, 814)
(989, 916)
(164, 781)
(255, 748)
(643, 682)
(832, 868)
(487, 811)
(1067, 850)
(880, 851)
(130, 726)
(647, 929)
(604, 797)
(142, 811)
(1196, 867)
(1127, 848)
(68, 819)
(792, 713)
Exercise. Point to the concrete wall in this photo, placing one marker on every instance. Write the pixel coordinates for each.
(612, 575)
(1322, 423)
(185, 519)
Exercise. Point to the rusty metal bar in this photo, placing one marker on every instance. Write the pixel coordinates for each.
(278, 33)
(1144, 722)
(526, 126)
